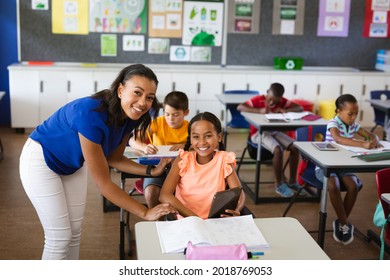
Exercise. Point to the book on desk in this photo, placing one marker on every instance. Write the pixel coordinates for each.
(285, 117)
(175, 235)
(142, 158)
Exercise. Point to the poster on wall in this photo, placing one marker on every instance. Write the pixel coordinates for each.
(244, 16)
(165, 18)
(288, 17)
(111, 16)
(135, 43)
(376, 19)
(70, 17)
(333, 20)
(158, 45)
(202, 23)
(108, 45)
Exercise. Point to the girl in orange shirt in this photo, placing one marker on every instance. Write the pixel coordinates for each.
(197, 174)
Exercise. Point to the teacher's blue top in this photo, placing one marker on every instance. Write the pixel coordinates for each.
(59, 138)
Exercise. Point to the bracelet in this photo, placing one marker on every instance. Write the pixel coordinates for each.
(149, 169)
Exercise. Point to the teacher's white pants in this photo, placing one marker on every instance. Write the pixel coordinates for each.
(58, 200)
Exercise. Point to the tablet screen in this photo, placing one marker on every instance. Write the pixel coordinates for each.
(325, 146)
(223, 200)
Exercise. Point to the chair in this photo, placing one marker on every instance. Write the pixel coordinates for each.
(137, 190)
(383, 186)
(308, 177)
(238, 121)
(2, 94)
(379, 116)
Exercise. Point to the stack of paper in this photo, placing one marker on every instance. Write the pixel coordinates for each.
(163, 151)
(175, 235)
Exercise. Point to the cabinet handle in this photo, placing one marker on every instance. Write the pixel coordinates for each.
(223, 116)
(96, 86)
(318, 89)
(341, 89)
(361, 115)
(198, 88)
(223, 87)
(68, 86)
(364, 90)
(295, 89)
(197, 111)
(386, 87)
(247, 86)
(41, 86)
(173, 86)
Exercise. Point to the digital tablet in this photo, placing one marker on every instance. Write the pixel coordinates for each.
(325, 146)
(223, 200)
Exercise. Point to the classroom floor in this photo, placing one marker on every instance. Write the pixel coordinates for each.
(21, 236)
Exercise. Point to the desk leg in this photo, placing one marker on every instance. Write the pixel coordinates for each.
(122, 225)
(258, 169)
(226, 124)
(323, 214)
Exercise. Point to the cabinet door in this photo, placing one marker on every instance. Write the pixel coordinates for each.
(214, 107)
(53, 91)
(332, 86)
(24, 95)
(103, 79)
(234, 81)
(79, 84)
(370, 83)
(297, 85)
(165, 85)
(260, 82)
(187, 83)
(208, 86)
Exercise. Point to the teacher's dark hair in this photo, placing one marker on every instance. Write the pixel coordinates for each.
(112, 103)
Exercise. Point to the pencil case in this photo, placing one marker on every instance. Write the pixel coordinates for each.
(375, 156)
(226, 252)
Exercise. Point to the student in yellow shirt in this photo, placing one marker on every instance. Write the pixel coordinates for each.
(169, 129)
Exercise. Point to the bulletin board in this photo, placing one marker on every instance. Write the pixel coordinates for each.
(37, 42)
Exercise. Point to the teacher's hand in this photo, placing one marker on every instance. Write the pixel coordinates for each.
(158, 211)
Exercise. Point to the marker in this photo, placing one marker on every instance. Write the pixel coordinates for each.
(254, 255)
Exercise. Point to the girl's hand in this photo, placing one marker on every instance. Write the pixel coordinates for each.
(230, 213)
(150, 149)
(370, 145)
(158, 211)
(160, 167)
(176, 147)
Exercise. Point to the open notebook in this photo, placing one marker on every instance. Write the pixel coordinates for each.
(285, 117)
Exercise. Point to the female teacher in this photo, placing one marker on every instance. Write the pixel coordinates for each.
(88, 133)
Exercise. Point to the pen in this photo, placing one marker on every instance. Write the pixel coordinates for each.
(150, 138)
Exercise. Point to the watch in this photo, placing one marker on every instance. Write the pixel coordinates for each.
(149, 169)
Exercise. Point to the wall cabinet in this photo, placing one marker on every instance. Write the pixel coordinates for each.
(37, 91)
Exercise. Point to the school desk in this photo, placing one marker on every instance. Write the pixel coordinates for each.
(231, 99)
(296, 245)
(335, 161)
(259, 121)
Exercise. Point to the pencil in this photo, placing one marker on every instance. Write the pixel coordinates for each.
(150, 138)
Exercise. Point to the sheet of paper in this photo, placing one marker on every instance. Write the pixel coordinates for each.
(287, 116)
(163, 151)
(385, 144)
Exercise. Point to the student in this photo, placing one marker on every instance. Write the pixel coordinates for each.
(342, 129)
(196, 175)
(88, 133)
(169, 129)
(275, 141)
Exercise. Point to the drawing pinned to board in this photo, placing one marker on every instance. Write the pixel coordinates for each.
(108, 45)
(70, 17)
(200, 54)
(179, 53)
(165, 18)
(40, 4)
(288, 17)
(133, 42)
(244, 16)
(376, 19)
(333, 20)
(203, 23)
(111, 16)
(158, 45)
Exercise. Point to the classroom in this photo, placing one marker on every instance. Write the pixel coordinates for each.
(55, 52)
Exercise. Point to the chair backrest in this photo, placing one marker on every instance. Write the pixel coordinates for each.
(383, 186)
(238, 121)
(303, 133)
(379, 116)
